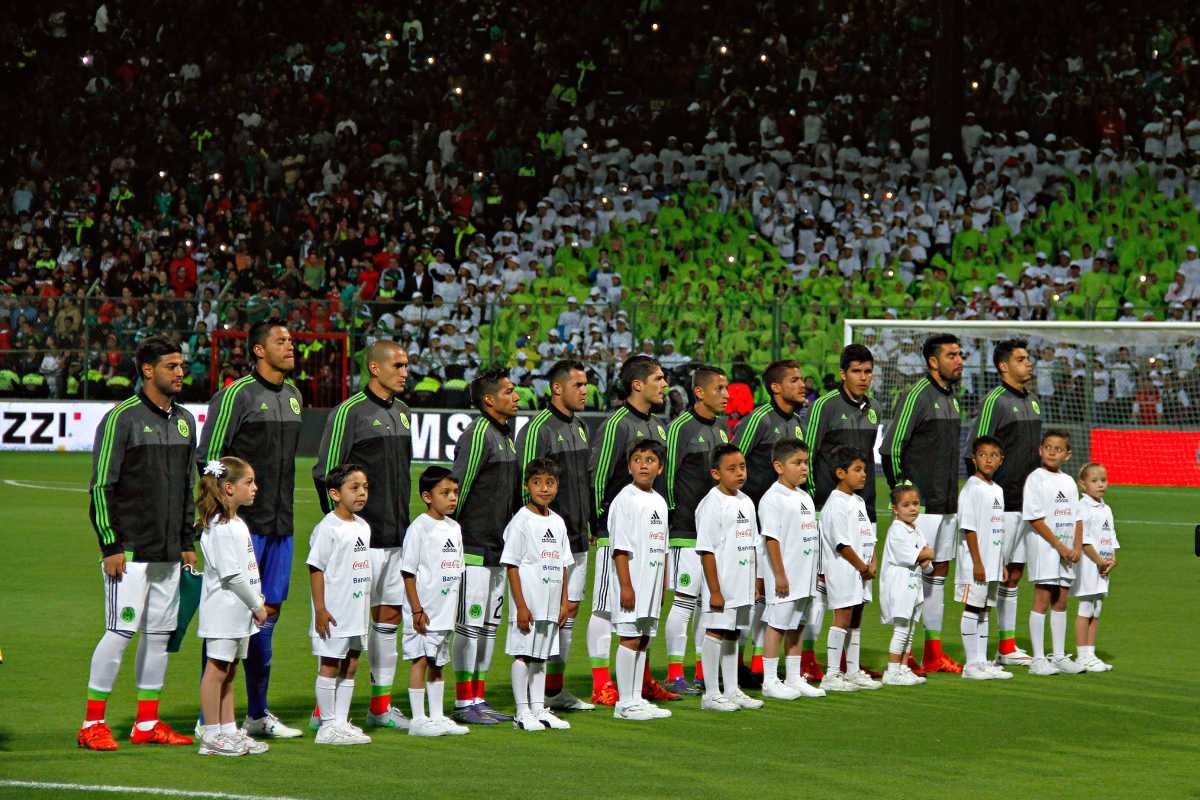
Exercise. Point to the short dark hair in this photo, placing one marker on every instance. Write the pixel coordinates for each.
(774, 371)
(336, 477)
(155, 347)
(842, 457)
(561, 369)
(901, 489)
(1004, 350)
(636, 368)
(649, 446)
(720, 452)
(981, 441)
(855, 352)
(784, 449)
(485, 383)
(934, 344)
(706, 374)
(542, 466)
(431, 477)
(1058, 433)
(261, 330)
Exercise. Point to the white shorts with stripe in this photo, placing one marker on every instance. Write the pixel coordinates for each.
(977, 595)
(539, 643)
(1015, 532)
(481, 597)
(577, 579)
(433, 645)
(789, 615)
(387, 582)
(941, 531)
(685, 570)
(145, 598)
(601, 591)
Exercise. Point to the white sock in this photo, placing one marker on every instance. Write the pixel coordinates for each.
(1037, 633)
(639, 674)
(901, 630)
(327, 698)
(463, 651)
(677, 626)
(981, 631)
(520, 686)
(416, 703)
(758, 628)
(436, 692)
(770, 669)
(229, 728)
(626, 668)
(710, 659)
(381, 654)
(537, 688)
(1006, 610)
(599, 640)
(487, 648)
(816, 617)
(566, 635)
(343, 697)
(1086, 652)
(791, 667)
(106, 660)
(853, 648)
(893, 667)
(729, 667)
(209, 732)
(834, 644)
(150, 667)
(970, 635)
(935, 602)
(1058, 632)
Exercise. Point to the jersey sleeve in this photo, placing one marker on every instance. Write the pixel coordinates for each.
(839, 527)
(746, 432)
(530, 443)
(621, 520)
(410, 553)
(968, 509)
(607, 451)
(813, 434)
(1033, 505)
(337, 439)
(187, 529)
(770, 517)
(107, 455)
(901, 547)
(220, 549)
(708, 527)
(514, 543)
(470, 456)
(675, 453)
(320, 548)
(911, 410)
(225, 412)
(993, 415)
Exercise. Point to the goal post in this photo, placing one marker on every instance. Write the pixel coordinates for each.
(1127, 392)
(322, 371)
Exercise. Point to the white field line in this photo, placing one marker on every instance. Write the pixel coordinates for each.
(150, 790)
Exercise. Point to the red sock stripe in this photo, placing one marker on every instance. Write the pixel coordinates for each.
(380, 703)
(147, 710)
(699, 670)
(477, 688)
(463, 690)
(554, 683)
(95, 710)
(674, 671)
(600, 676)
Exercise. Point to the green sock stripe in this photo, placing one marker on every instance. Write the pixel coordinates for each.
(597, 663)
(674, 659)
(380, 691)
(462, 677)
(96, 694)
(756, 651)
(808, 645)
(1007, 634)
(481, 676)
(933, 636)
(555, 668)
(148, 694)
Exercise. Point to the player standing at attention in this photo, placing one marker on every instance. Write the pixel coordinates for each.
(339, 571)
(373, 429)
(756, 435)
(980, 556)
(231, 607)
(556, 433)
(905, 554)
(726, 528)
(432, 565)
(1054, 547)
(1100, 547)
(257, 419)
(143, 464)
(691, 439)
(844, 417)
(1012, 415)
(848, 563)
(920, 446)
(788, 553)
(537, 557)
(643, 382)
(485, 467)
(637, 525)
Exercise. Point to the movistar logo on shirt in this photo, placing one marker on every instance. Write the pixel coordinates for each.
(997, 504)
(1062, 498)
(359, 547)
(741, 517)
(548, 537)
(655, 519)
(449, 547)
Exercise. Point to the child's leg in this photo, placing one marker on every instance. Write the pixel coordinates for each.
(678, 618)
(642, 666)
(599, 644)
(729, 663)
(699, 634)
(1037, 619)
(436, 691)
(758, 630)
(416, 687)
(772, 638)
(1097, 605)
(537, 686)
(901, 636)
(382, 657)
(854, 640)
(836, 642)
(1058, 622)
(215, 678)
(327, 680)
(483, 662)
(969, 627)
(812, 628)
(794, 643)
(345, 687)
(627, 661)
(520, 685)
(228, 718)
(710, 655)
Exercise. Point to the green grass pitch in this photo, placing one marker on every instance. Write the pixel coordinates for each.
(1130, 732)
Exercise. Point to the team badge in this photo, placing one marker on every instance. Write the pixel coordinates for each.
(1037, 409)
(127, 614)
(295, 404)
(872, 417)
(184, 430)
(724, 437)
(799, 433)
(685, 580)
(475, 611)
(404, 420)
(662, 433)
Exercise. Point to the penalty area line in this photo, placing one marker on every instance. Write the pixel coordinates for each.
(149, 790)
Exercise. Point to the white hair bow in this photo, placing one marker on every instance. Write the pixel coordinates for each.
(214, 468)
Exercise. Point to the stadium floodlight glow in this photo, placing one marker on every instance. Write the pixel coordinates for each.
(86, 59)
(654, 27)
(430, 61)
(162, 173)
(974, 86)
(487, 58)
(388, 36)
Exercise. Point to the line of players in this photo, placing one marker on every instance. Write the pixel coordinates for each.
(257, 419)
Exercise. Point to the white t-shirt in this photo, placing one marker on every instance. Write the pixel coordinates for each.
(1052, 496)
(1100, 531)
(900, 588)
(980, 509)
(537, 546)
(844, 521)
(637, 524)
(228, 551)
(433, 555)
(788, 516)
(726, 527)
(339, 548)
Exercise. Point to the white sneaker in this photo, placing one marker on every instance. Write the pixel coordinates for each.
(656, 712)
(805, 689)
(635, 711)
(1065, 665)
(253, 746)
(836, 682)
(335, 734)
(451, 727)
(998, 672)
(392, 718)
(425, 727)
(717, 702)
(528, 722)
(1017, 658)
(1042, 667)
(552, 722)
(565, 701)
(1096, 665)
(270, 727)
(900, 678)
(863, 681)
(743, 700)
(917, 679)
(778, 690)
(977, 672)
(222, 745)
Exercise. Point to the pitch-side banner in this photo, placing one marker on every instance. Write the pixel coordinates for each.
(1148, 457)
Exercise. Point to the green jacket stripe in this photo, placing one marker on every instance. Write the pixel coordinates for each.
(746, 442)
(673, 455)
(985, 415)
(221, 424)
(478, 440)
(108, 535)
(607, 442)
(338, 433)
(898, 436)
(533, 430)
(814, 426)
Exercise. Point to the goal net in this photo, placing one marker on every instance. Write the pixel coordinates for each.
(1128, 393)
(322, 370)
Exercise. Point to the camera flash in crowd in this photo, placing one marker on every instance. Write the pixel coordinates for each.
(487, 58)
(654, 27)
(86, 59)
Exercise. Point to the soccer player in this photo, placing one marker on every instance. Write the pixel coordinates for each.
(257, 418)
(373, 429)
(339, 572)
(537, 557)
(485, 467)
(643, 383)
(980, 556)
(637, 524)
(843, 417)
(788, 552)
(1012, 415)
(1100, 547)
(691, 439)
(143, 465)
(432, 564)
(756, 435)
(556, 433)
(1054, 548)
(920, 446)
(905, 555)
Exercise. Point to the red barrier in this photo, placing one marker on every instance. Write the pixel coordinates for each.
(1148, 457)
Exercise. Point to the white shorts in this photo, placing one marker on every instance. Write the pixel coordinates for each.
(731, 619)
(433, 645)
(1045, 565)
(387, 582)
(227, 649)
(846, 589)
(481, 597)
(642, 626)
(577, 579)
(941, 532)
(337, 646)
(978, 595)
(1015, 530)
(601, 591)
(789, 615)
(541, 642)
(146, 598)
(686, 571)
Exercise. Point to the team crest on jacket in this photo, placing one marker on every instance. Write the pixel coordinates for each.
(404, 420)
(1037, 409)
(662, 432)
(872, 417)
(724, 437)
(184, 430)
(295, 405)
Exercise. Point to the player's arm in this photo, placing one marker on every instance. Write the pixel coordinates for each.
(108, 453)
(470, 455)
(746, 433)
(1077, 544)
(1041, 529)
(419, 617)
(673, 459)
(606, 452)
(187, 528)
(775, 558)
(524, 617)
(221, 554)
(336, 440)
(323, 619)
(225, 412)
(813, 435)
(978, 573)
(564, 603)
(847, 552)
(910, 413)
(716, 600)
(529, 447)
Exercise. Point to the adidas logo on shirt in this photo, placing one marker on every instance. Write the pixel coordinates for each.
(804, 507)
(359, 547)
(548, 537)
(1105, 526)
(655, 519)
(449, 547)
(741, 517)
(996, 504)
(862, 517)
(1062, 498)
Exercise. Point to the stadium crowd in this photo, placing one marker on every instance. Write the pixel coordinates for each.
(461, 180)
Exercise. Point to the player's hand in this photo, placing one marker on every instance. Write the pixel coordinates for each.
(420, 621)
(1063, 552)
(323, 621)
(628, 598)
(564, 613)
(874, 569)
(188, 557)
(524, 619)
(114, 566)
(260, 615)
(979, 574)
(1075, 556)
(716, 601)
(865, 572)
(782, 588)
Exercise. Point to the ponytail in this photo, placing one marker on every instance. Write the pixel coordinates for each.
(210, 494)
